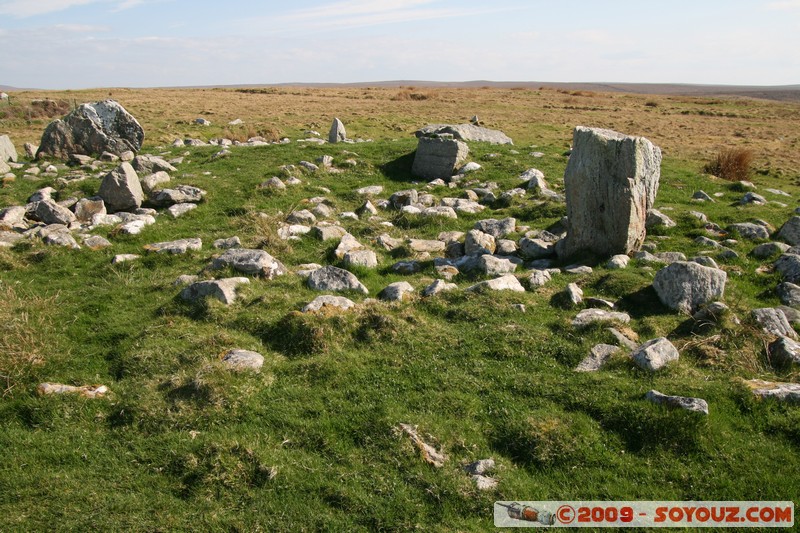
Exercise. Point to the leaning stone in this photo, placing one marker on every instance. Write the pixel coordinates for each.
(784, 352)
(752, 198)
(599, 356)
(360, 258)
(697, 405)
(622, 339)
(181, 246)
(121, 190)
(789, 294)
(87, 391)
(223, 290)
(784, 392)
(655, 354)
(397, 291)
(685, 286)
(7, 150)
(329, 301)
(50, 212)
(573, 294)
(337, 132)
(788, 265)
(250, 261)
(438, 157)
(331, 278)
(587, 317)
(611, 183)
(504, 283)
(790, 231)
(243, 359)
(773, 322)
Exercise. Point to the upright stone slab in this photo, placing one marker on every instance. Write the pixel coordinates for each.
(337, 133)
(438, 157)
(7, 150)
(611, 183)
(121, 190)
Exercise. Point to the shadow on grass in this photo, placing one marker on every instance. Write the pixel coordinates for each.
(400, 169)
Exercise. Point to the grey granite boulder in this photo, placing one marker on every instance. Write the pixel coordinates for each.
(587, 317)
(438, 157)
(243, 359)
(465, 132)
(337, 132)
(250, 261)
(121, 189)
(331, 278)
(697, 405)
(397, 291)
(91, 129)
(223, 290)
(784, 351)
(504, 283)
(328, 301)
(180, 246)
(655, 354)
(7, 150)
(773, 322)
(598, 356)
(50, 212)
(685, 286)
(790, 231)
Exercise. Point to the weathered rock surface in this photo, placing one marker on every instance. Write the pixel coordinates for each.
(438, 158)
(479, 243)
(773, 321)
(497, 228)
(91, 129)
(87, 391)
(360, 258)
(331, 278)
(243, 359)
(437, 287)
(697, 405)
(50, 212)
(180, 246)
(223, 290)
(685, 286)
(784, 392)
(599, 356)
(151, 164)
(121, 189)
(788, 265)
(465, 132)
(790, 231)
(250, 261)
(7, 150)
(327, 300)
(611, 183)
(179, 195)
(337, 132)
(587, 317)
(655, 354)
(749, 230)
(657, 219)
(784, 351)
(397, 291)
(789, 294)
(504, 283)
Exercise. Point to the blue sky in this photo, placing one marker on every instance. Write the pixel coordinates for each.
(71, 44)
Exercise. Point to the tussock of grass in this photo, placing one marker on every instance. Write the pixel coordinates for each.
(732, 164)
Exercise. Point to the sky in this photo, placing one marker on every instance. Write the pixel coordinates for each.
(74, 44)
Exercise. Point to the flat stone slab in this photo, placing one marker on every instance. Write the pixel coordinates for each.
(466, 132)
(599, 356)
(223, 290)
(587, 317)
(180, 246)
(87, 391)
(509, 282)
(697, 405)
(243, 359)
(328, 301)
(250, 261)
(785, 392)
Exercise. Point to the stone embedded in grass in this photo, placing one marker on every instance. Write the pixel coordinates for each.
(228, 243)
(12, 216)
(539, 278)
(323, 211)
(752, 198)
(790, 231)
(711, 313)
(250, 261)
(618, 261)
(329, 301)
(96, 242)
(611, 181)
(331, 278)
(697, 405)
(303, 216)
(180, 246)
(789, 294)
(702, 196)
(749, 230)
(396, 291)
(273, 183)
(657, 219)
(151, 164)
(370, 190)
(685, 286)
(87, 208)
(243, 359)
(447, 272)
(504, 283)
(293, 231)
(50, 212)
(785, 392)
(429, 453)
(655, 354)
(598, 356)
(784, 352)
(491, 265)
(178, 210)
(223, 290)
(788, 265)
(768, 249)
(348, 243)
(773, 322)
(87, 391)
(497, 228)
(121, 258)
(440, 211)
(423, 245)
(360, 258)
(407, 267)
(326, 232)
(9, 238)
(465, 132)
(479, 243)
(179, 195)
(438, 157)
(121, 189)
(58, 235)
(587, 317)
(438, 287)
(572, 295)
(577, 270)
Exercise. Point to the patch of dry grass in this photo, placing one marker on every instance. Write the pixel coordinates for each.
(732, 164)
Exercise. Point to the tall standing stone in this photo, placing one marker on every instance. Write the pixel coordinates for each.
(7, 150)
(438, 157)
(337, 133)
(611, 183)
(121, 190)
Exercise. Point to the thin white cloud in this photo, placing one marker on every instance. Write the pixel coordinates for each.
(784, 5)
(30, 8)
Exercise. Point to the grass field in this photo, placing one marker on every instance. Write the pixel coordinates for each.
(312, 442)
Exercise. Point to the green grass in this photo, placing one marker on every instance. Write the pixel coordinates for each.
(309, 443)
